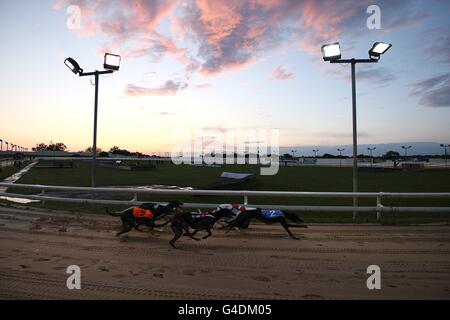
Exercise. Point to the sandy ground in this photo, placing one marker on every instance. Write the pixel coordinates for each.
(329, 262)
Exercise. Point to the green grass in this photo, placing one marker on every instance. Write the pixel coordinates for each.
(304, 178)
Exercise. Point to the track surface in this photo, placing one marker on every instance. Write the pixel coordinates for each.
(329, 262)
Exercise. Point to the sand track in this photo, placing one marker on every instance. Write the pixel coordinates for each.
(329, 262)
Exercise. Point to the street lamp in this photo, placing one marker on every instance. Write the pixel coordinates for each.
(370, 151)
(332, 53)
(406, 150)
(111, 63)
(445, 148)
(340, 156)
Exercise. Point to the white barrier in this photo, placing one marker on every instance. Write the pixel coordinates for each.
(378, 208)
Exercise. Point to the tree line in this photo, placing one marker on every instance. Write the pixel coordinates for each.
(60, 146)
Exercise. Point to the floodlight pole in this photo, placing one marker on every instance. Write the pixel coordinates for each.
(353, 63)
(315, 152)
(445, 150)
(340, 157)
(371, 157)
(406, 151)
(94, 147)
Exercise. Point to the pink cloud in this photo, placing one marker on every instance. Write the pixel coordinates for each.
(228, 35)
(233, 34)
(127, 25)
(203, 86)
(170, 87)
(281, 73)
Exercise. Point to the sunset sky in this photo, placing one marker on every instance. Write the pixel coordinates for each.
(222, 64)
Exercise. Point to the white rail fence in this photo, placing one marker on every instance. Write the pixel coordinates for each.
(378, 197)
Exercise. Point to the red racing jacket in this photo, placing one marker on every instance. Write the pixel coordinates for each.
(143, 213)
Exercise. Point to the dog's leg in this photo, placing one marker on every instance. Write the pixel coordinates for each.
(187, 233)
(229, 229)
(125, 228)
(178, 232)
(286, 227)
(208, 235)
(228, 226)
(191, 235)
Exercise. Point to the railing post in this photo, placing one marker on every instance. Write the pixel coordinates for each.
(42, 194)
(379, 207)
(245, 199)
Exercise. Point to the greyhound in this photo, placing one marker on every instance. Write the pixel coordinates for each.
(268, 217)
(198, 221)
(146, 214)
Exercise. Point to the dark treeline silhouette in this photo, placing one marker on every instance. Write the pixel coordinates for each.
(58, 146)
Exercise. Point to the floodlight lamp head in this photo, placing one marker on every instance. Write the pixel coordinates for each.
(73, 66)
(331, 51)
(111, 61)
(378, 49)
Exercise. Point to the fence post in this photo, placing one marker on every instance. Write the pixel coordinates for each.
(245, 200)
(42, 194)
(379, 207)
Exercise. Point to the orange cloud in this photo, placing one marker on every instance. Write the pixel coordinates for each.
(228, 35)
